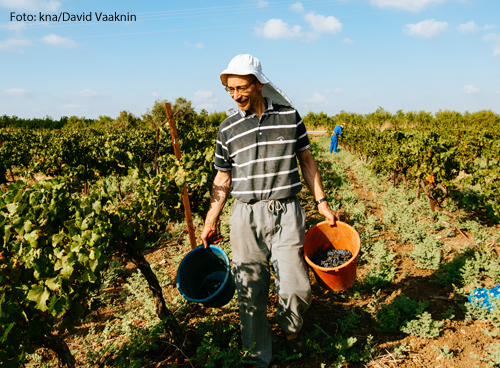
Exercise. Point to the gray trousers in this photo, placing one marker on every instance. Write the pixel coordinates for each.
(262, 232)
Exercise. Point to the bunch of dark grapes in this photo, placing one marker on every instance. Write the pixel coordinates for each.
(209, 287)
(331, 257)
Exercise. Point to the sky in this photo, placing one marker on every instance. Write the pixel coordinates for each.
(67, 57)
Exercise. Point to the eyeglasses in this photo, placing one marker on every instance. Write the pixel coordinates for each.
(240, 89)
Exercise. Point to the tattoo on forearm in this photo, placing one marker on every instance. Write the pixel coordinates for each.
(219, 193)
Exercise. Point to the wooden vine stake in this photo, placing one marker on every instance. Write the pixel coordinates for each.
(156, 153)
(85, 185)
(10, 170)
(177, 150)
(12, 175)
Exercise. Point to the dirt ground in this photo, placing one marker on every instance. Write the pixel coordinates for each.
(462, 338)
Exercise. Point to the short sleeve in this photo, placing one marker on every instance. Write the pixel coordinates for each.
(302, 138)
(222, 161)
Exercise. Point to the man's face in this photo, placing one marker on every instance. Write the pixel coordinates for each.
(249, 99)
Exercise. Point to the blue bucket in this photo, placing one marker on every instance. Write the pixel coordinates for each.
(204, 276)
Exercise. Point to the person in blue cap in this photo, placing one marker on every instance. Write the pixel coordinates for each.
(335, 138)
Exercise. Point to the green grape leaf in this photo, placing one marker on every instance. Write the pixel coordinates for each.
(39, 295)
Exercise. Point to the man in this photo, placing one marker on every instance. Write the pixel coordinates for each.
(335, 138)
(256, 158)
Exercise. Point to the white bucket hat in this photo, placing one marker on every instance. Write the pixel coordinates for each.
(246, 64)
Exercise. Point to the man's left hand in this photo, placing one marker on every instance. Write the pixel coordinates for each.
(330, 216)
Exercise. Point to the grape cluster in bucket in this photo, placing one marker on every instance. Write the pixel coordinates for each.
(209, 288)
(331, 257)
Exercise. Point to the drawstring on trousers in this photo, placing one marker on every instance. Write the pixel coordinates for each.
(274, 206)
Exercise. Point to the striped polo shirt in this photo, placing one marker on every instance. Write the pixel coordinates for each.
(262, 154)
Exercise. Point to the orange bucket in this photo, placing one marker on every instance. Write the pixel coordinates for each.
(342, 236)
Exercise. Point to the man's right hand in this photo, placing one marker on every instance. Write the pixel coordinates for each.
(220, 191)
(207, 232)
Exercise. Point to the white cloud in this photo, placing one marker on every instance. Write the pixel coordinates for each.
(14, 44)
(322, 24)
(86, 93)
(336, 91)
(204, 95)
(407, 5)
(495, 38)
(496, 49)
(205, 100)
(276, 29)
(13, 26)
(262, 3)
(297, 7)
(31, 5)
(427, 28)
(155, 95)
(59, 41)
(469, 89)
(316, 98)
(15, 92)
(348, 41)
(469, 27)
(197, 45)
(491, 37)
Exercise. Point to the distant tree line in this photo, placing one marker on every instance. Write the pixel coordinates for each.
(185, 113)
(382, 119)
(153, 118)
(47, 122)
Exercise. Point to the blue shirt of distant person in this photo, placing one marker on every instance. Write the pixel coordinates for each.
(335, 138)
